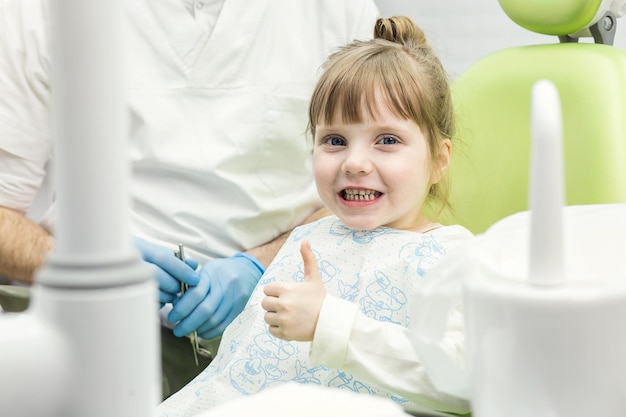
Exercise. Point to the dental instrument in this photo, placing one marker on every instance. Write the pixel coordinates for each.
(195, 344)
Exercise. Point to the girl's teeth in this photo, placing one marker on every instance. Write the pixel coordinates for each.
(354, 195)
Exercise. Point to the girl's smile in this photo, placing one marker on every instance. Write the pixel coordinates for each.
(353, 196)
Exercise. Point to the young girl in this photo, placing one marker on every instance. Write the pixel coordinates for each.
(381, 118)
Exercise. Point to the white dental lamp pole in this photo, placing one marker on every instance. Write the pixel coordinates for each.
(88, 345)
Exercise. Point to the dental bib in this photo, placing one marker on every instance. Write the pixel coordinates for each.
(380, 270)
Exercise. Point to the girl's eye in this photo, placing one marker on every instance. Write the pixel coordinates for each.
(335, 141)
(388, 140)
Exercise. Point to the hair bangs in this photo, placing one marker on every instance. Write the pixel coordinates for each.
(349, 88)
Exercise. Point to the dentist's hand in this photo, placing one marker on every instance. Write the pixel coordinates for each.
(223, 291)
(167, 269)
(292, 308)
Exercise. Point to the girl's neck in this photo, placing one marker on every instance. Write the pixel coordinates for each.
(427, 228)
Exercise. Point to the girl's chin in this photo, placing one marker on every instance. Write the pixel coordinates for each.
(359, 224)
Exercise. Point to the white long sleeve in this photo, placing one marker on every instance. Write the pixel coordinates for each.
(382, 353)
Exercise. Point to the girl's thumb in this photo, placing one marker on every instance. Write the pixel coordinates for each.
(311, 269)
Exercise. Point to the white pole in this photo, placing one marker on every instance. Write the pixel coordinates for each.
(93, 314)
(546, 263)
(88, 70)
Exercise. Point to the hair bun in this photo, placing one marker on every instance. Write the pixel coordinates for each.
(399, 29)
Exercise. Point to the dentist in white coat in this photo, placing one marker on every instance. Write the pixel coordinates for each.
(217, 98)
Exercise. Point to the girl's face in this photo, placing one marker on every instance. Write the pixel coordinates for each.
(375, 173)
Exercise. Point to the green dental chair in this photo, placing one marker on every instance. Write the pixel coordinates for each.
(490, 163)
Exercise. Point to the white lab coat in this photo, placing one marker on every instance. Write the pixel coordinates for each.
(218, 111)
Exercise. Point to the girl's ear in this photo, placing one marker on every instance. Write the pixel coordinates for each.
(443, 160)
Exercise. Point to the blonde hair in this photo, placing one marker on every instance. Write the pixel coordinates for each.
(400, 68)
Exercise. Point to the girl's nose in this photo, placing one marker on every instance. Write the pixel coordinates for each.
(357, 162)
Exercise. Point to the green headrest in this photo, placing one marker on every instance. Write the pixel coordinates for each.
(489, 171)
(552, 17)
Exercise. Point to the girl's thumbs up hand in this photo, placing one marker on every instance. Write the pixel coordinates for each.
(292, 308)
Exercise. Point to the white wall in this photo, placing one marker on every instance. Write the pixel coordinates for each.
(463, 31)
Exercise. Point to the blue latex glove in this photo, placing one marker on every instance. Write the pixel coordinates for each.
(223, 291)
(167, 269)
